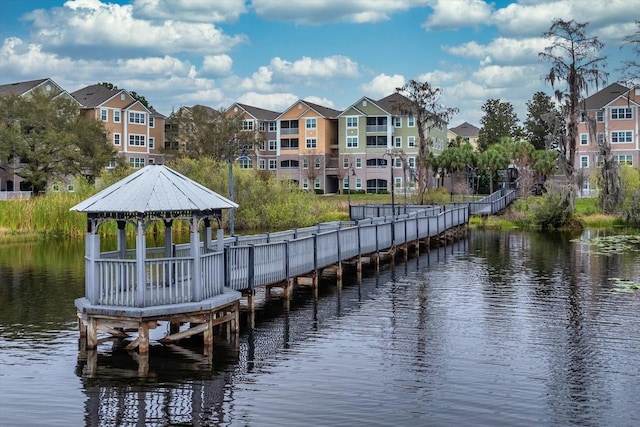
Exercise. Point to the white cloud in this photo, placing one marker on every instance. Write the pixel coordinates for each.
(323, 68)
(502, 50)
(495, 76)
(86, 27)
(534, 18)
(271, 101)
(189, 10)
(316, 12)
(455, 14)
(382, 85)
(216, 65)
(440, 77)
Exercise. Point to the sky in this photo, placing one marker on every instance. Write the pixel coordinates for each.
(271, 53)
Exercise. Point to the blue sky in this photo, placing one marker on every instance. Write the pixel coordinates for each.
(270, 53)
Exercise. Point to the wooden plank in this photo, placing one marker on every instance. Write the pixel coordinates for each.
(185, 334)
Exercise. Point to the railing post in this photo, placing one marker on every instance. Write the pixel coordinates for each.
(141, 274)
(286, 254)
(196, 280)
(220, 240)
(315, 252)
(251, 272)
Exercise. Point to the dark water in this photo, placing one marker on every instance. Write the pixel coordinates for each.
(503, 328)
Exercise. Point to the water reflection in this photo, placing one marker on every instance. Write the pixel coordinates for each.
(502, 328)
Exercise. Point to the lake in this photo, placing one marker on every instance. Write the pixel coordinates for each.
(501, 328)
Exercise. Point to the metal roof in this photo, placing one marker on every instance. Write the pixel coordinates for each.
(154, 189)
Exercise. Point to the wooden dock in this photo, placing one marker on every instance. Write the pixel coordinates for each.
(197, 288)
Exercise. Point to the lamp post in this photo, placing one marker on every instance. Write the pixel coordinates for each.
(350, 172)
(393, 198)
(243, 157)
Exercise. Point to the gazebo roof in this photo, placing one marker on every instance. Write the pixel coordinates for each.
(154, 189)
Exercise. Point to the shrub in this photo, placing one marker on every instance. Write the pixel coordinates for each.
(551, 210)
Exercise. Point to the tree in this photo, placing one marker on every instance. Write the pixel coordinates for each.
(47, 139)
(492, 160)
(204, 131)
(423, 102)
(312, 165)
(575, 66)
(631, 67)
(457, 159)
(541, 116)
(499, 121)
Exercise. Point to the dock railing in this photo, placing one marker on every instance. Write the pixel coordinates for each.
(257, 260)
(490, 205)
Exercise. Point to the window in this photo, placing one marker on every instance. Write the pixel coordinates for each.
(152, 142)
(600, 138)
(305, 163)
(136, 140)
(584, 161)
(136, 162)
(305, 183)
(345, 183)
(273, 145)
(397, 162)
(273, 164)
(55, 187)
(261, 145)
(246, 163)
(584, 117)
(136, 118)
(116, 116)
(289, 144)
(104, 114)
(397, 122)
(376, 163)
(312, 143)
(289, 127)
(411, 142)
(112, 164)
(621, 137)
(621, 113)
(397, 141)
(116, 139)
(584, 139)
(70, 188)
(289, 164)
(352, 122)
(312, 123)
(247, 125)
(600, 116)
(272, 126)
(345, 163)
(316, 163)
(262, 164)
(411, 161)
(352, 142)
(411, 121)
(152, 162)
(316, 183)
(262, 126)
(358, 183)
(358, 162)
(376, 141)
(152, 122)
(624, 159)
(398, 181)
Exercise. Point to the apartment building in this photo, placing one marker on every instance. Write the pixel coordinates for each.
(10, 181)
(137, 132)
(263, 124)
(467, 132)
(610, 115)
(379, 146)
(307, 136)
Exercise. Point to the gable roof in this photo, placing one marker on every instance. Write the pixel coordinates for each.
(466, 130)
(21, 88)
(326, 112)
(95, 95)
(154, 189)
(255, 112)
(389, 102)
(603, 97)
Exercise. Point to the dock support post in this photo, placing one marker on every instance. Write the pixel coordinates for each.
(207, 335)
(92, 334)
(339, 276)
(359, 269)
(143, 337)
(287, 294)
(251, 309)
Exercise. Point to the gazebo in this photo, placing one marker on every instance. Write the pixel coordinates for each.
(133, 289)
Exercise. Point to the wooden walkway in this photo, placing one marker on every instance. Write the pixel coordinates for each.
(119, 300)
